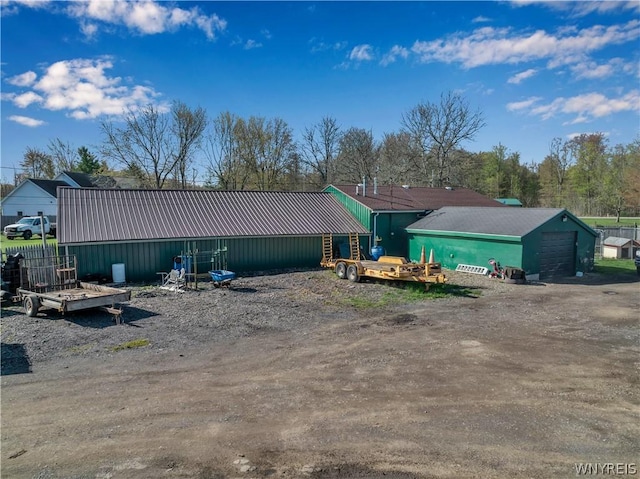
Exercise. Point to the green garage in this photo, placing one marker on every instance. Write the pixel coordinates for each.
(544, 242)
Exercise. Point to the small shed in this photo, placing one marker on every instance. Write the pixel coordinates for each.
(544, 242)
(615, 247)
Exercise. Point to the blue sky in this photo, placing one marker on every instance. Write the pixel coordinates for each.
(536, 70)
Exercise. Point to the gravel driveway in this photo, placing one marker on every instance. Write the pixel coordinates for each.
(304, 375)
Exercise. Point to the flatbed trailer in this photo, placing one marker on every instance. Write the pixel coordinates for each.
(392, 268)
(51, 283)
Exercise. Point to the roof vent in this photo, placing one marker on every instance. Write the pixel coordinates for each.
(406, 187)
(448, 188)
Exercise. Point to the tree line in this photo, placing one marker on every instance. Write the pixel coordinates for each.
(184, 148)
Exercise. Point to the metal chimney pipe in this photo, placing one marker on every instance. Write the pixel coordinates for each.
(375, 185)
(364, 186)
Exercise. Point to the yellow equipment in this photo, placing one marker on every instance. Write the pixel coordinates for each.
(392, 268)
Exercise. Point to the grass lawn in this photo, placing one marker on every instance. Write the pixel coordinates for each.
(20, 242)
(615, 266)
(624, 222)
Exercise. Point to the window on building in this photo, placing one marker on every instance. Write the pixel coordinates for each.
(39, 213)
(20, 213)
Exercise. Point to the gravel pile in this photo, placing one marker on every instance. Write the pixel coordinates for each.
(292, 301)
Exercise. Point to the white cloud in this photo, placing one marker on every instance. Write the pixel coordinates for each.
(361, 53)
(392, 55)
(522, 105)
(145, 17)
(26, 99)
(25, 79)
(582, 107)
(481, 19)
(251, 44)
(83, 89)
(519, 77)
(26, 121)
(583, 8)
(591, 70)
(266, 33)
(321, 46)
(491, 46)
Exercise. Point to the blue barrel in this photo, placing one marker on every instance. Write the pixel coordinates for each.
(376, 252)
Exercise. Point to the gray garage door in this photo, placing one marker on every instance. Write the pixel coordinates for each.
(558, 254)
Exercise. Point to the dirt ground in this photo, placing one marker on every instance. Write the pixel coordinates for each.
(304, 375)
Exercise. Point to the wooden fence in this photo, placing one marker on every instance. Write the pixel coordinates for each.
(33, 251)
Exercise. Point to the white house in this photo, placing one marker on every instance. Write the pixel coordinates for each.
(614, 247)
(32, 197)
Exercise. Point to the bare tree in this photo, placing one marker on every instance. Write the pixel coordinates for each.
(319, 148)
(226, 169)
(188, 127)
(37, 164)
(64, 156)
(153, 143)
(249, 154)
(358, 156)
(398, 158)
(440, 128)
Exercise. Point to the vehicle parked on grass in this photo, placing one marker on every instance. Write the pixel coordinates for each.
(637, 262)
(29, 226)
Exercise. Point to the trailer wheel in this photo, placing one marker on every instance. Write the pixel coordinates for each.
(31, 305)
(352, 273)
(341, 270)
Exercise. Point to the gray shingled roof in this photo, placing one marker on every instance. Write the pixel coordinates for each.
(50, 186)
(415, 198)
(100, 215)
(83, 179)
(485, 220)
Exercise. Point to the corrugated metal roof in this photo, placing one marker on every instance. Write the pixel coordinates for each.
(415, 198)
(617, 241)
(492, 221)
(88, 215)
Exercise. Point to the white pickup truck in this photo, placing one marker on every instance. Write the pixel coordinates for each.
(29, 226)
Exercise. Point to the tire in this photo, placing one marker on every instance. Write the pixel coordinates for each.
(27, 234)
(341, 270)
(31, 305)
(10, 238)
(352, 273)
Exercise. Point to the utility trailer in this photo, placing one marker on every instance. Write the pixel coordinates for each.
(392, 268)
(52, 283)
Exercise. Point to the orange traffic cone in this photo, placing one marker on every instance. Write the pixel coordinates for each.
(431, 260)
(423, 257)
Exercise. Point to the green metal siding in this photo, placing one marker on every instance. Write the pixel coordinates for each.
(391, 228)
(585, 239)
(358, 210)
(452, 249)
(143, 259)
